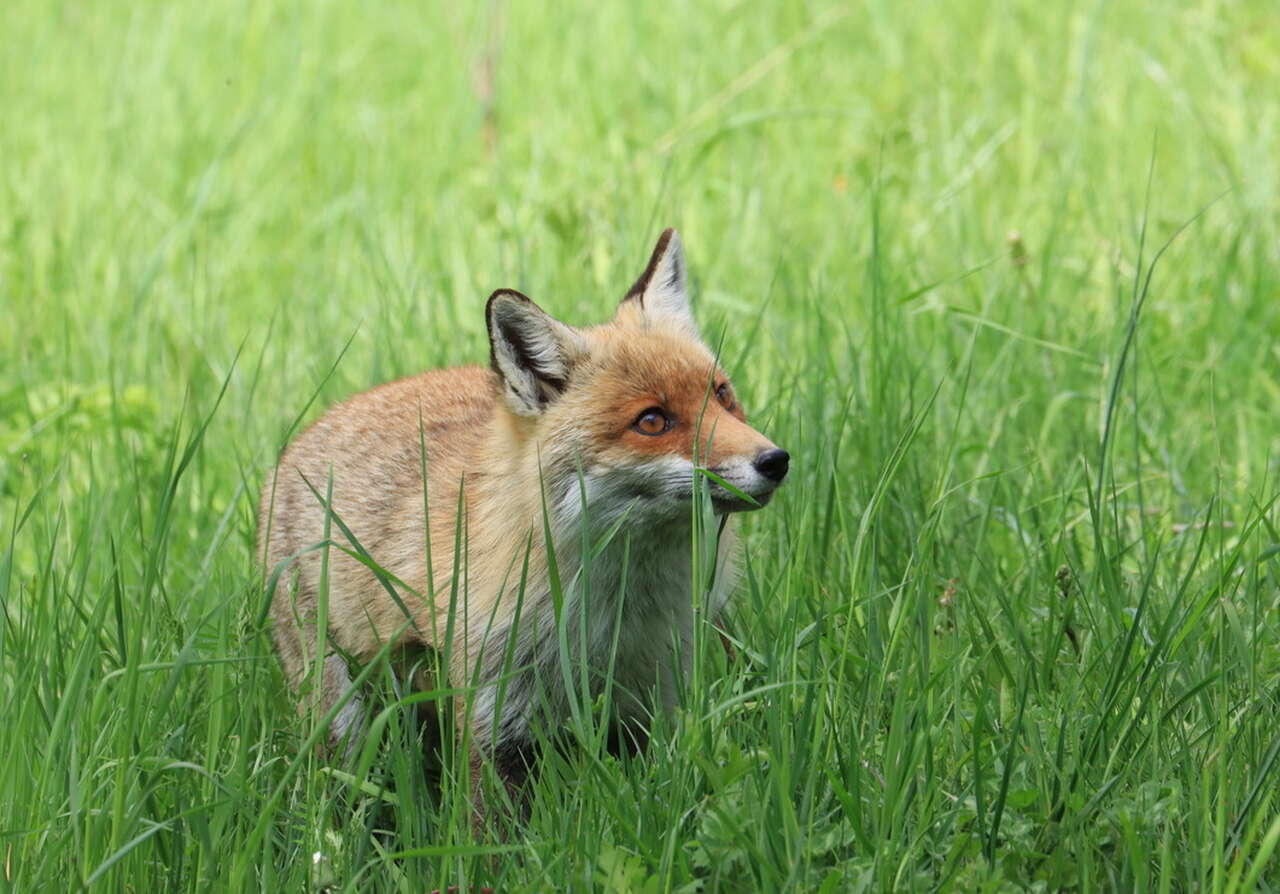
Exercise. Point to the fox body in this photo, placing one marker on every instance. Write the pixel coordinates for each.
(572, 434)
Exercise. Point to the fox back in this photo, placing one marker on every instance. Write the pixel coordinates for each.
(502, 516)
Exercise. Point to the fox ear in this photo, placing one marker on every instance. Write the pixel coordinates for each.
(531, 351)
(662, 291)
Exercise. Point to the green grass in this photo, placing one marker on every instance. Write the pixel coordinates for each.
(1015, 621)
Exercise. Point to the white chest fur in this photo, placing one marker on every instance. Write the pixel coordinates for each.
(621, 624)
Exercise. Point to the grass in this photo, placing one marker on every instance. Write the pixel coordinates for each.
(1013, 623)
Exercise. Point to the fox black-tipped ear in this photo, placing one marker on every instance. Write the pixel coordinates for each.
(662, 290)
(531, 351)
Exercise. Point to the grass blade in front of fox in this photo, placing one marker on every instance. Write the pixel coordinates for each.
(581, 588)
(437, 654)
(455, 574)
(558, 605)
(508, 671)
(362, 557)
(607, 537)
(701, 513)
(737, 492)
(463, 734)
(320, 656)
(606, 695)
(383, 576)
(705, 547)
(426, 524)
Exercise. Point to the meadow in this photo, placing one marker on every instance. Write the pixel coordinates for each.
(1001, 275)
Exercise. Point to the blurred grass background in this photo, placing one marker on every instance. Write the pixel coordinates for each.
(986, 647)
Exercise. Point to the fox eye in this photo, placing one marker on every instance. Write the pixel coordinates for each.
(652, 422)
(724, 394)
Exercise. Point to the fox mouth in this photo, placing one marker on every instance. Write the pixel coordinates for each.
(725, 502)
(734, 499)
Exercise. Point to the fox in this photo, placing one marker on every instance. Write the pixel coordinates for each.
(607, 429)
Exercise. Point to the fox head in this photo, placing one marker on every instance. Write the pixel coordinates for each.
(630, 411)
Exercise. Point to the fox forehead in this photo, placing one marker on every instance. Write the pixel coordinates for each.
(665, 368)
(624, 373)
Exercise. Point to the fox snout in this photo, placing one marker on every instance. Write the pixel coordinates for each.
(749, 481)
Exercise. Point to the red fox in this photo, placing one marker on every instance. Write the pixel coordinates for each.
(604, 429)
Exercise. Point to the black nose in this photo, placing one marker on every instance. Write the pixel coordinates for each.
(772, 464)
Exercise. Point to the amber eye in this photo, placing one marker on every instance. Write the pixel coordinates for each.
(724, 394)
(652, 422)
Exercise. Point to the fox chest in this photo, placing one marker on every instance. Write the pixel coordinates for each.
(633, 608)
(637, 611)
(622, 622)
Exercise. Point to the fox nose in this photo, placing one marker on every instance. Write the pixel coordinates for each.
(773, 463)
